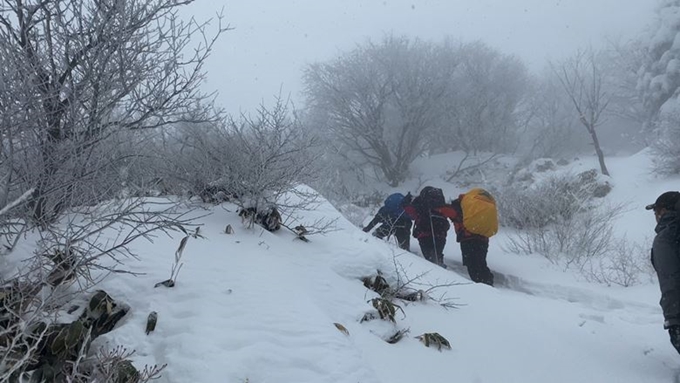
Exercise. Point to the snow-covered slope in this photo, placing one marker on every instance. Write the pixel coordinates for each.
(260, 307)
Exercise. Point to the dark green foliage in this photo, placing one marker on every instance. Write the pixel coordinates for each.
(386, 309)
(125, 372)
(434, 339)
(397, 336)
(378, 284)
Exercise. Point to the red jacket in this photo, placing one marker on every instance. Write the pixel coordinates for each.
(428, 222)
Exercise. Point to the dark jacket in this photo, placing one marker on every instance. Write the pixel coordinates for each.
(454, 212)
(387, 217)
(666, 261)
(428, 222)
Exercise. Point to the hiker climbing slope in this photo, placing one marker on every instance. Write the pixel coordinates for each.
(430, 225)
(475, 220)
(393, 220)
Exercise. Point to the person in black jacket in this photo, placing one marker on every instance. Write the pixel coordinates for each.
(392, 220)
(431, 226)
(666, 260)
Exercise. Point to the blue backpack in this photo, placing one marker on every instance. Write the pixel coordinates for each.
(393, 205)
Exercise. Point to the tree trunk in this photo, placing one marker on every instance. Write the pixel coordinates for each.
(393, 177)
(598, 150)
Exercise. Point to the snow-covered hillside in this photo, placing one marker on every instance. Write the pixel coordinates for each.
(260, 307)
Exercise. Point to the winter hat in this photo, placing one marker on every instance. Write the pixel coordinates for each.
(668, 200)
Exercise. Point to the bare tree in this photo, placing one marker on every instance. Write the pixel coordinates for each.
(583, 80)
(76, 77)
(622, 61)
(481, 107)
(381, 100)
(84, 71)
(551, 129)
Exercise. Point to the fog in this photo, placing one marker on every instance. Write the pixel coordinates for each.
(273, 40)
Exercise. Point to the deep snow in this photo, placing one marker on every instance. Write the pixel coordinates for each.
(260, 307)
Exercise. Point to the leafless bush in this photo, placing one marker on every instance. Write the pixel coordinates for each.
(197, 157)
(399, 284)
(556, 199)
(12, 228)
(115, 366)
(259, 163)
(559, 219)
(105, 365)
(625, 264)
(570, 240)
(255, 161)
(273, 156)
(142, 169)
(106, 231)
(72, 256)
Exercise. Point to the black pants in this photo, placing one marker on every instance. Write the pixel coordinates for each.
(474, 257)
(402, 233)
(674, 332)
(433, 249)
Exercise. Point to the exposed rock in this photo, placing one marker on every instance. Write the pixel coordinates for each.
(545, 166)
(151, 322)
(601, 190)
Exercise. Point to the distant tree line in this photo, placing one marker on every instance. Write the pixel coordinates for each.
(384, 103)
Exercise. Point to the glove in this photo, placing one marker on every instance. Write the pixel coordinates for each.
(366, 229)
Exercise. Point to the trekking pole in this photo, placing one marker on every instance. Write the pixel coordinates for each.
(393, 227)
(434, 243)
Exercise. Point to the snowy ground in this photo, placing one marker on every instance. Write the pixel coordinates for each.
(260, 307)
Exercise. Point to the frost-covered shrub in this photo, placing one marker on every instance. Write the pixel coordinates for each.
(558, 217)
(552, 200)
(197, 159)
(666, 149)
(625, 264)
(255, 159)
(585, 242)
(569, 240)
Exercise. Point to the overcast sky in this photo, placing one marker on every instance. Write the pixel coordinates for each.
(273, 40)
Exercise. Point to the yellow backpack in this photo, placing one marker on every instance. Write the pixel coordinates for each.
(480, 215)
